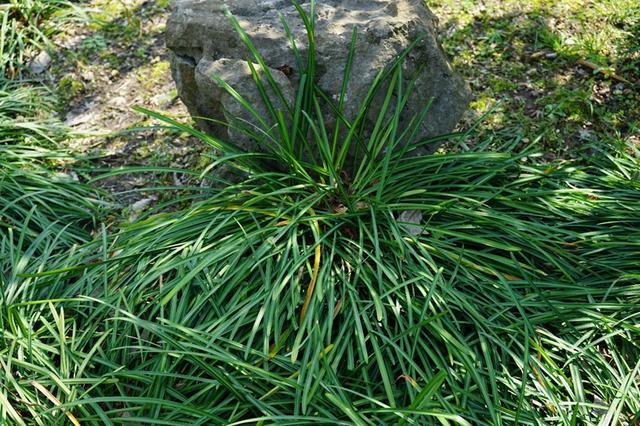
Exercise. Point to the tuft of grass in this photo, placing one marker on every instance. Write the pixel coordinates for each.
(27, 115)
(517, 301)
(341, 281)
(33, 198)
(38, 190)
(26, 27)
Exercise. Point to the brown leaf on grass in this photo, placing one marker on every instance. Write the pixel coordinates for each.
(55, 401)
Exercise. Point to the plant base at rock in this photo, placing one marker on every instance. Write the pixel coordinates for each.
(203, 42)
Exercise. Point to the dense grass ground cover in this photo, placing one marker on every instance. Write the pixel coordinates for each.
(519, 300)
(471, 287)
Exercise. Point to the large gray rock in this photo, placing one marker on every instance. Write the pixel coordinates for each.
(203, 43)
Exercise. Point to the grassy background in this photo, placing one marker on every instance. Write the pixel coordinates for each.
(528, 58)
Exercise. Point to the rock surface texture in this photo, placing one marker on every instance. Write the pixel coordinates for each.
(203, 43)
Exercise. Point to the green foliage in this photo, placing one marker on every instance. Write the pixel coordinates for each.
(26, 115)
(337, 280)
(25, 26)
(94, 43)
(34, 198)
(305, 293)
(512, 303)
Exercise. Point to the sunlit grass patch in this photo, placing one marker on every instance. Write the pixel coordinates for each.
(591, 45)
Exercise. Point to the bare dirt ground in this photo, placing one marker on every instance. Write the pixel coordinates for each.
(106, 64)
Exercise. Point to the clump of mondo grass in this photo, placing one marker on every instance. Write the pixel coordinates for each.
(301, 296)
